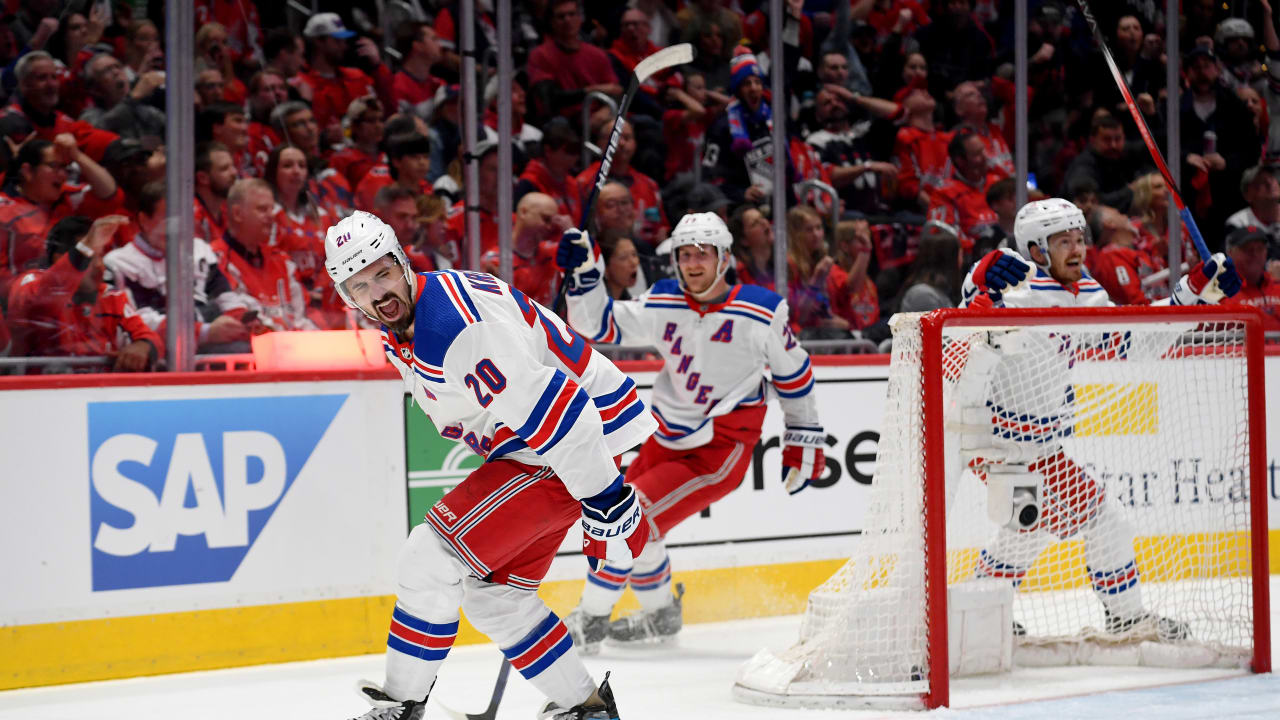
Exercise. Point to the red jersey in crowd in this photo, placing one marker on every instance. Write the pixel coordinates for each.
(353, 164)
(683, 139)
(862, 308)
(46, 319)
(755, 31)
(764, 279)
(566, 192)
(91, 141)
(534, 276)
(411, 95)
(628, 59)
(1265, 296)
(964, 205)
(651, 224)
(885, 20)
(301, 235)
(999, 157)
(262, 140)
(1120, 271)
(810, 167)
(922, 160)
(332, 94)
(207, 226)
(455, 229)
(588, 65)
(266, 283)
(24, 226)
(329, 189)
(240, 18)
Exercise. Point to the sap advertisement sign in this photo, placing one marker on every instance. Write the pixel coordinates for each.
(122, 501)
(181, 489)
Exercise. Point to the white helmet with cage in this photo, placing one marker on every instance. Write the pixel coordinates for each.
(701, 229)
(1037, 221)
(353, 243)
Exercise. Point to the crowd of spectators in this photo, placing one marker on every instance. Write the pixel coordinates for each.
(903, 107)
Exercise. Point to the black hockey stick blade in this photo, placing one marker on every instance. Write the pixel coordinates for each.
(663, 59)
(490, 712)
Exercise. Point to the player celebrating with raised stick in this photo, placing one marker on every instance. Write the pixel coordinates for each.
(1012, 407)
(722, 348)
(502, 374)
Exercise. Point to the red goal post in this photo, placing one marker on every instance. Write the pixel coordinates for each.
(1180, 347)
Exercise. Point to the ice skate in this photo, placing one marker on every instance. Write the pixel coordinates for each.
(1148, 625)
(587, 630)
(650, 626)
(607, 710)
(386, 708)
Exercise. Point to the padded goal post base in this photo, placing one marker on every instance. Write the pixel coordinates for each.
(1145, 427)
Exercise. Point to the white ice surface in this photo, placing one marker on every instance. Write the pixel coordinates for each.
(690, 679)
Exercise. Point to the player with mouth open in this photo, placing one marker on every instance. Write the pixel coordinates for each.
(504, 375)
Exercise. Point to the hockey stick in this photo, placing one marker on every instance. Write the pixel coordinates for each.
(667, 57)
(1183, 210)
(490, 712)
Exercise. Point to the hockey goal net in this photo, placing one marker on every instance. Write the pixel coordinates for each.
(1143, 432)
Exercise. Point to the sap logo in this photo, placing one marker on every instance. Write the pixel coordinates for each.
(181, 489)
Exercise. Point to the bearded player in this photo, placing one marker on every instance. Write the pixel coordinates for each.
(1012, 406)
(549, 416)
(725, 349)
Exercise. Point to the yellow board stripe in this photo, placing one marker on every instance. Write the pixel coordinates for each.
(104, 649)
(1105, 409)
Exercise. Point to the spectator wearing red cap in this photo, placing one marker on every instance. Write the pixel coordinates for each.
(564, 68)
(363, 126)
(1247, 248)
(413, 87)
(36, 109)
(67, 309)
(962, 200)
(651, 224)
(333, 86)
(920, 151)
(1121, 265)
(216, 172)
(684, 124)
(36, 195)
(550, 174)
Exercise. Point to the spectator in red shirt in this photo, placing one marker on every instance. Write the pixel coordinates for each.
(240, 18)
(408, 163)
(853, 294)
(333, 86)
(630, 47)
(36, 109)
(971, 109)
(564, 68)
(363, 126)
(1121, 265)
(962, 200)
(216, 172)
(533, 245)
(808, 266)
(684, 124)
(37, 195)
(550, 174)
(896, 16)
(67, 309)
(300, 222)
(264, 277)
(413, 87)
(920, 151)
(212, 54)
(651, 226)
(1247, 248)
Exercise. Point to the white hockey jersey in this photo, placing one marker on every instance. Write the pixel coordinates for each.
(139, 270)
(717, 357)
(1042, 290)
(505, 376)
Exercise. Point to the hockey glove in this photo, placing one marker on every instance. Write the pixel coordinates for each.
(998, 271)
(802, 458)
(576, 256)
(1208, 282)
(614, 527)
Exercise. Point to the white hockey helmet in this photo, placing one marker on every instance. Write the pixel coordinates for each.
(356, 241)
(1037, 221)
(701, 229)
(1232, 28)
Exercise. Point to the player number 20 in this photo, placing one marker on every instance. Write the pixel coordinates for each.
(492, 379)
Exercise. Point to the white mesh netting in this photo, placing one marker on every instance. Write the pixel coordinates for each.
(1137, 438)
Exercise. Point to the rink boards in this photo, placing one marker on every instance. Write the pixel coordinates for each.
(211, 520)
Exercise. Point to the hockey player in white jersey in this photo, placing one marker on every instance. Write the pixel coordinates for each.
(1011, 408)
(549, 415)
(725, 350)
